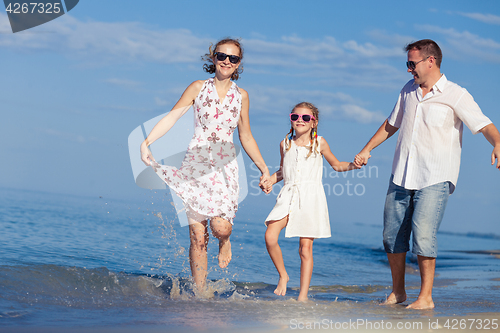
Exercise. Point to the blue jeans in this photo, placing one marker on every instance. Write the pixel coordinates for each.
(417, 211)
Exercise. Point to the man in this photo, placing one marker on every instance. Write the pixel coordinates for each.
(430, 112)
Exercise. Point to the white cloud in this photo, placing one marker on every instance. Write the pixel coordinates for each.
(397, 41)
(332, 105)
(326, 62)
(326, 59)
(370, 50)
(122, 41)
(161, 102)
(318, 54)
(72, 137)
(465, 44)
(319, 69)
(126, 83)
(362, 115)
(485, 18)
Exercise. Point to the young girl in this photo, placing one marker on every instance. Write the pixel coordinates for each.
(301, 204)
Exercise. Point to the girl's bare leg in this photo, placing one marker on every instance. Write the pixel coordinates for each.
(272, 234)
(306, 266)
(198, 235)
(221, 229)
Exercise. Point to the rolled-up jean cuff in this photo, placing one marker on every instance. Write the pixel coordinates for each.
(414, 211)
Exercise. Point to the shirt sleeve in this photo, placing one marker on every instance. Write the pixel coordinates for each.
(396, 116)
(469, 112)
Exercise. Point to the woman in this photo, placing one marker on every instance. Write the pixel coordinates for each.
(208, 178)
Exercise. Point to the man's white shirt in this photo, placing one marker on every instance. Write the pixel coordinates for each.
(430, 133)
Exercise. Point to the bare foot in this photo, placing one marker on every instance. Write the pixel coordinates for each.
(421, 304)
(199, 289)
(394, 299)
(224, 253)
(281, 287)
(302, 299)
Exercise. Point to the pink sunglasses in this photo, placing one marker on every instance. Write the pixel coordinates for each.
(305, 117)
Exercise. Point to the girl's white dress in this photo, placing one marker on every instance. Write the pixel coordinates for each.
(302, 197)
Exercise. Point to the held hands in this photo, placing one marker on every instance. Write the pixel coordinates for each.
(265, 183)
(362, 158)
(354, 166)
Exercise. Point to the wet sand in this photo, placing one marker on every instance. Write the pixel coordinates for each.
(482, 322)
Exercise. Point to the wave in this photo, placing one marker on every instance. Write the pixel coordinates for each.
(50, 295)
(100, 287)
(472, 234)
(75, 286)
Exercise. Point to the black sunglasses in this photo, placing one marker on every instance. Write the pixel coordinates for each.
(232, 58)
(412, 64)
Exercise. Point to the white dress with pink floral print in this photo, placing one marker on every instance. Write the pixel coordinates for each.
(207, 181)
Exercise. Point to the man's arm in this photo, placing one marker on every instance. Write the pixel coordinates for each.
(383, 133)
(491, 134)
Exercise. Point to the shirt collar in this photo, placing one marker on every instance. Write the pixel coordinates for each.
(441, 84)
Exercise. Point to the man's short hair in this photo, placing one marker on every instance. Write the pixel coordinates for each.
(427, 48)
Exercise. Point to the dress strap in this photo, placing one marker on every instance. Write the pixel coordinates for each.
(319, 143)
(285, 146)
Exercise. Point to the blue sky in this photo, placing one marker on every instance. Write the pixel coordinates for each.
(73, 89)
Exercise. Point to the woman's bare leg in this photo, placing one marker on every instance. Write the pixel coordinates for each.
(272, 234)
(198, 235)
(221, 229)
(306, 266)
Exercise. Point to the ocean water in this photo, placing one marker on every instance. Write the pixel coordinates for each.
(68, 261)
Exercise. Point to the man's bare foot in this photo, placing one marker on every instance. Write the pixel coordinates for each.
(394, 299)
(281, 287)
(302, 298)
(224, 253)
(421, 304)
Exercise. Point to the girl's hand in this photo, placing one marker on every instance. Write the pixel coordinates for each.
(146, 155)
(354, 165)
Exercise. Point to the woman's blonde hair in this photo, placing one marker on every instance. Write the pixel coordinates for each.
(313, 147)
(209, 66)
